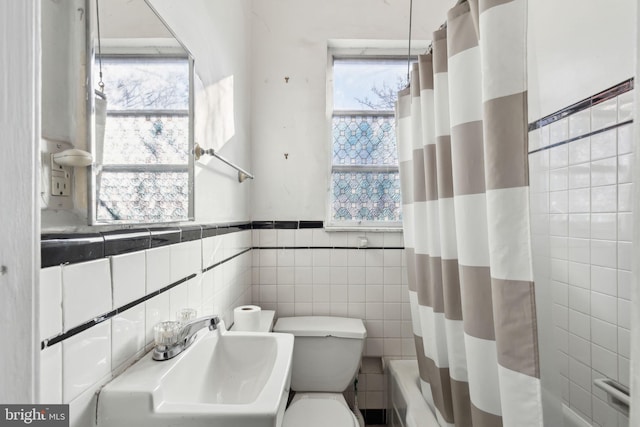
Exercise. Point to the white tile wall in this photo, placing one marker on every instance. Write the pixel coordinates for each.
(368, 284)
(604, 114)
(86, 292)
(579, 123)
(324, 278)
(72, 370)
(86, 358)
(50, 302)
(625, 107)
(156, 310)
(128, 277)
(158, 268)
(186, 258)
(581, 211)
(51, 375)
(128, 337)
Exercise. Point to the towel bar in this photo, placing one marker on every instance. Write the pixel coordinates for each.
(617, 393)
(199, 152)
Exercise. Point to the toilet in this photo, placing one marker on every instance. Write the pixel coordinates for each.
(326, 357)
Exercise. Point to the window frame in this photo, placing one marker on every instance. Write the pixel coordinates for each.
(340, 52)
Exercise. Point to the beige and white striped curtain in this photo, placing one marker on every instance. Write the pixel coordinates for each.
(462, 142)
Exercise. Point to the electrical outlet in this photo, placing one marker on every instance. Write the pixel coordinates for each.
(60, 179)
(60, 186)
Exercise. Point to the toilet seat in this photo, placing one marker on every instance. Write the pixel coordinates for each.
(318, 411)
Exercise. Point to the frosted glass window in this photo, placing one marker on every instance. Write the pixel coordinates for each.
(364, 140)
(144, 175)
(139, 83)
(144, 196)
(365, 182)
(146, 139)
(366, 195)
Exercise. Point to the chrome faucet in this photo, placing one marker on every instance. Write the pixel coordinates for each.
(185, 337)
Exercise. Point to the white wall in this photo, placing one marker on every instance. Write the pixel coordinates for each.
(63, 105)
(577, 48)
(19, 228)
(290, 40)
(218, 33)
(61, 54)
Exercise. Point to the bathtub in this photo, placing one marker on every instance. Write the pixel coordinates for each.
(407, 407)
(572, 419)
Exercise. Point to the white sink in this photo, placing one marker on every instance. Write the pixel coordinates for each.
(235, 379)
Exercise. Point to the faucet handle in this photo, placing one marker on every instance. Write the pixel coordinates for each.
(167, 333)
(173, 337)
(186, 315)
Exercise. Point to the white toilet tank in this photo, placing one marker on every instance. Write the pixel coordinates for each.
(326, 351)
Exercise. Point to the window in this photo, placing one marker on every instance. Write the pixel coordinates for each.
(365, 182)
(145, 159)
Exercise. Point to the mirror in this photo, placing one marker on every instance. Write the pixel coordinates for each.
(141, 122)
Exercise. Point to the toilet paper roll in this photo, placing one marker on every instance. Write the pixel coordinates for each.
(246, 318)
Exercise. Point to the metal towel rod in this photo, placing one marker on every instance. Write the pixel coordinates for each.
(199, 152)
(617, 393)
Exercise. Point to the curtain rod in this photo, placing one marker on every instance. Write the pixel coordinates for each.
(242, 174)
(409, 48)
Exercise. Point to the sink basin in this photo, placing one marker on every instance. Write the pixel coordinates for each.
(224, 378)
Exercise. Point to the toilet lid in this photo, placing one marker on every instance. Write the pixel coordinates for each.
(318, 413)
(321, 326)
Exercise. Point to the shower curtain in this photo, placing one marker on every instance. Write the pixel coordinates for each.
(462, 142)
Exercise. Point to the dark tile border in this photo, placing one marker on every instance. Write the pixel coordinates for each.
(233, 228)
(56, 249)
(213, 230)
(191, 233)
(262, 225)
(355, 248)
(164, 236)
(285, 225)
(71, 248)
(209, 231)
(125, 241)
(311, 224)
(605, 95)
